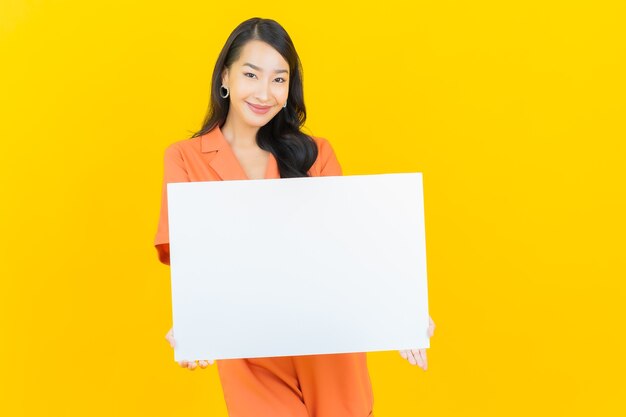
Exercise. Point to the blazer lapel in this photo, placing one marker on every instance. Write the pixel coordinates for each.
(272, 168)
(225, 163)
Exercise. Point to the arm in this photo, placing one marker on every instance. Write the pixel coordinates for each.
(173, 171)
(328, 160)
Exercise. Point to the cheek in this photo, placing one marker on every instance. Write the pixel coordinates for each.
(242, 90)
(281, 92)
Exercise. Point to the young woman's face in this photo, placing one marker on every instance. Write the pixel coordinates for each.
(258, 82)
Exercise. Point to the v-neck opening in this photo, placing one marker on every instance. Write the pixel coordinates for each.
(267, 167)
(271, 166)
(268, 164)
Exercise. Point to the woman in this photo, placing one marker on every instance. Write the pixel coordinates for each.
(252, 131)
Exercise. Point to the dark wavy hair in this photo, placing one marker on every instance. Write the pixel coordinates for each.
(295, 151)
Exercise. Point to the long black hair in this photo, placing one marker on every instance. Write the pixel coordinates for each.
(295, 151)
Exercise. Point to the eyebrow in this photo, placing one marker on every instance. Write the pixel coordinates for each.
(259, 69)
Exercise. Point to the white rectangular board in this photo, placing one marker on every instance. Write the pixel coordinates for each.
(298, 266)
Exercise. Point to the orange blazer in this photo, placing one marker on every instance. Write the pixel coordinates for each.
(210, 158)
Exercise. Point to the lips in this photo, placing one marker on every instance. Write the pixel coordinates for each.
(259, 109)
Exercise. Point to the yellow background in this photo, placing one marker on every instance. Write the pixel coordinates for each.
(513, 111)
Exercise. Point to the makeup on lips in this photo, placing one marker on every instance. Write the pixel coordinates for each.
(259, 109)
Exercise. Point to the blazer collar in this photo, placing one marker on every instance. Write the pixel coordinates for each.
(225, 162)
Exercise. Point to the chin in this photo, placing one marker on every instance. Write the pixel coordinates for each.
(260, 121)
(257, 122)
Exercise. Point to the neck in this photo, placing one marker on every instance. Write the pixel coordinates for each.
(238, 134)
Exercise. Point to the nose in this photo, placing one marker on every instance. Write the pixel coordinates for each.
(263, 92)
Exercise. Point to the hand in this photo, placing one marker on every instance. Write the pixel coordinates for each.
(191, 365)
(418, 356)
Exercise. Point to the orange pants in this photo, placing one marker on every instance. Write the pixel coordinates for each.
(333, 385)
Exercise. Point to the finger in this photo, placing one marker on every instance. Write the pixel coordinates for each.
(420, 354)
(172, 342)
(203, 364)
(403, 353)
(418, 358)
(413, 357)
(183, 363)
(430, 331)
(192, 365)
(410, 358)
(210, 361)
(431, 327)
(170, 338)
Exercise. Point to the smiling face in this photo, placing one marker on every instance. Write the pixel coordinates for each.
(259, 84)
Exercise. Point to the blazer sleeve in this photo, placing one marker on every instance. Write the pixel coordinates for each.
(329, 164)
(173, 171)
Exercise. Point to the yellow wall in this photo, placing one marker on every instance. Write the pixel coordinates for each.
(513, 111)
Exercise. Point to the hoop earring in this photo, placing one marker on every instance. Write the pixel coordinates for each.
(227, 91)
(285, 105)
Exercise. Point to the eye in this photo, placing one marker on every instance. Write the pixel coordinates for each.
(283, 80)
(249, 73)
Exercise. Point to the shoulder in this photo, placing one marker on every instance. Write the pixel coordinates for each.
(180, 159)
(184, 145)
(326, 162)
(324, 146)
(182, 149)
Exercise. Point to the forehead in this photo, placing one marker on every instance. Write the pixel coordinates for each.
(262, 55)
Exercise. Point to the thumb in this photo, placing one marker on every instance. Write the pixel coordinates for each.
(170, 339)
